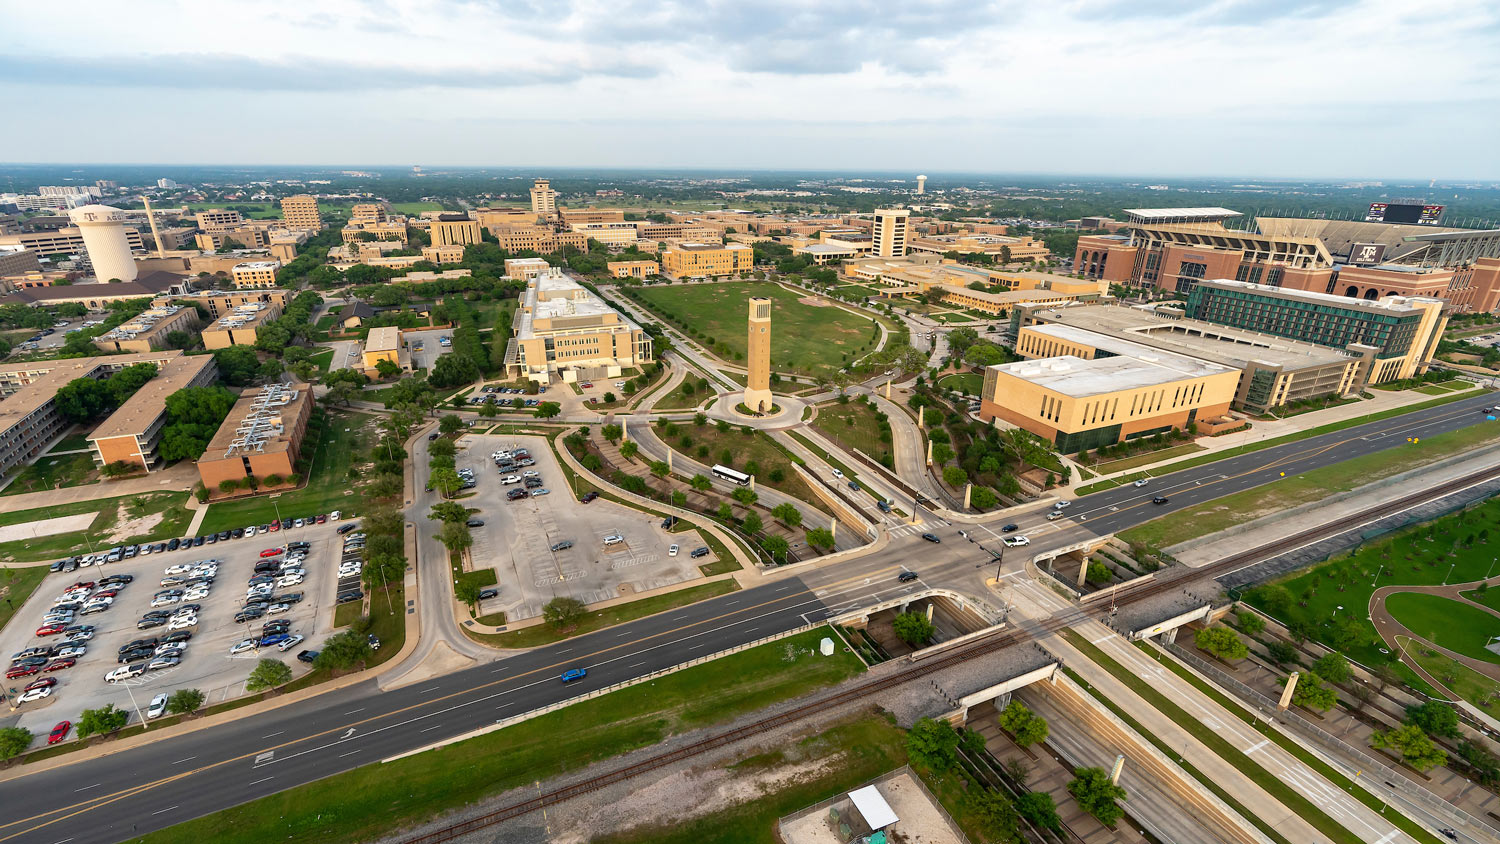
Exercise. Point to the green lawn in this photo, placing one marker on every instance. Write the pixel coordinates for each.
(1445, 387)
(257, 210)
(1283, 493)
(72, 442)
(687, 395)
(1282, 440)
(852, 754)
(1489, 597)
(741, 450)
(853, 425)
(322, 360)
(541, 634)
(1406, 558)
(1459, 678)
(1451, 624)
(804, 338)
(1148, 458)
(333, 449)
(64, 470)
(968, 383)
(16, 585)
(412, 209)
(371, 802)
(856, 290)
(109, 514)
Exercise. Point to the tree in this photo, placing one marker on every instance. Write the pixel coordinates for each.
(982, 498)
(449, 511)
(1097, 795)
(467, 590)
(776, 546)
(745, 496)
(752, 524)
(1416, 749)
(387, 369)
(1333, 667)
(700, 483)
(453, 370)
(659, 468)
(609, 398)
(13, 742)
(105, 719)
(83, 399)
(342, 651)
(932, 744)
(268, 673)
(820, 538)
(1312, 694)
(1250, 622)
(1039, 808)
(1221, 642)
(456, 536)
(1435, 718)
(913, 628)
(1281, 653)
(549, 409)
(984, 354)
(611, 432)
(563, 613)
(992, 814)
(787, 513)
(941, 453)
(726, 512)
(450, 424)
(446, 481)
(1025, 726)
(954, 476)
(184, 701)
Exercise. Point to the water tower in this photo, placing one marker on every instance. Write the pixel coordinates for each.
(103, 229)
(921, 184)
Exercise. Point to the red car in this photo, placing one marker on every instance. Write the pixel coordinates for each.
(59, 732)
(82, 584)
(60, 664)
(22, 671)
(322, 517)
(275, 525)
(51, 629)
(107, 593)
(273, 552)
(45, 682)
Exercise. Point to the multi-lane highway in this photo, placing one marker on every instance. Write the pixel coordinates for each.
(108, 798)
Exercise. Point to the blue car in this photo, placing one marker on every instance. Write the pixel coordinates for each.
(574, 674)
(273, 639)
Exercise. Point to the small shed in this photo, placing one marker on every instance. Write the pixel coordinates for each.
(877, 813)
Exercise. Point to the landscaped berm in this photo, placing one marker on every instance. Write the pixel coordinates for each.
(811, 339)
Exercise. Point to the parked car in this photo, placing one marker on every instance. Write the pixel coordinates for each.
(700, 551)
(157, 707)
(491, 592)
(59, 732)
(308, 657)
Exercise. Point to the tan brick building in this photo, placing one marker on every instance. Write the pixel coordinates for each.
(455, 230)
(132, 433)
(633, 269)
(301, 212)
(699, 260)
(148, 330)
(239, 326)
(260, 275)
(261, 438)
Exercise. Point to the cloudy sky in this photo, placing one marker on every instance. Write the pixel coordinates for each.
(1372, 89)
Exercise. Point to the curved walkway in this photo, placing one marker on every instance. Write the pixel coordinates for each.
(1390, 629)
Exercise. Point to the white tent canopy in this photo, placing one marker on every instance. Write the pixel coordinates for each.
(873, 808)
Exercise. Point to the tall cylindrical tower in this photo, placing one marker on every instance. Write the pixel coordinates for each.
(921, 184)
(758, 357)
(103, 229)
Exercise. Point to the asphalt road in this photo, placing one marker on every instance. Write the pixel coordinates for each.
(168, 782)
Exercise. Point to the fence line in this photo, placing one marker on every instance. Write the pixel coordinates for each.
(1371, 765)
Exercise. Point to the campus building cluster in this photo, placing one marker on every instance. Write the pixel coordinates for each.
(991, 292)
(563, 331)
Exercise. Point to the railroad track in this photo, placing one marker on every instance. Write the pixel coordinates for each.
(999, 641)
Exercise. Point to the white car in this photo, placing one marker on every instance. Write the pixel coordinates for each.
(1062, 505)
(672, 550)
(287, 580)
(195, 593)
(1141, 482)
(531, 473)
(1015, 541)
(125, 672)
(161, 662)
(179, 568)
(278, 609)
(170, 647)
(165, 600)
(251, 531)
(296, 571)
(183, 623)
(293, 642)
(35, 694)
(102, 603)
(510, 479)
(838, 474)
(336, 515)
(157, 707)
(243, 645)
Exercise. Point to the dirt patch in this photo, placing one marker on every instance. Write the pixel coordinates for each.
(815, 302)
(129, 527)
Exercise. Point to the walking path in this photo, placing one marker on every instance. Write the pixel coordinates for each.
(178, 477)
(1391, 630)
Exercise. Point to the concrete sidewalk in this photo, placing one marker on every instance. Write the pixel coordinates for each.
(177, 478)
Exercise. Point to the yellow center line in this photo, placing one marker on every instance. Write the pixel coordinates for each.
(107, 799)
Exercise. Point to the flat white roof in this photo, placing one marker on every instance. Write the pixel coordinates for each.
(873, 808)
(1205, 213)
(1079, 378)
(258, 265)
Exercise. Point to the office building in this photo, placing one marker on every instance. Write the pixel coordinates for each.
(379, 230)
(260, 439)
(889, 232)
(132, 433)
(451, 254)
(706, 260)
(455, 230)
(368, 212)
(1002, 248)
(564, 331)
(148, 330)
(98, 296)
(69, 190)
(17, 260)
(614, 235)
(493, 219)
(524, 269)
(383, 343)
(758, 357)
(65, 240)
(166, 184)
(1132, 391)
(301, 212)
(1274, 371)
(576, 216)
(284, 244)
(633, 269)
(543, 199)
(993, 292)
(239, 327)
(105, 241)
(543, 241)
(254, 275)
(221, 302)
(1402, 331)
(218, 218)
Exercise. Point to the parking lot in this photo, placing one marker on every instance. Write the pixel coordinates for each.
(431, 346)
(518, 536)
(206, 662)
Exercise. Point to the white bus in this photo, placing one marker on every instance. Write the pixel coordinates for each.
(731, 475)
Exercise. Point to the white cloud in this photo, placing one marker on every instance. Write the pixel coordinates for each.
(1253, 87)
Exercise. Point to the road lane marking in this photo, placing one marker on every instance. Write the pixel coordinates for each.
(162, 811)
(277, 733)
(350, 753)
(1257, 746)
(258, 782)
(352, 711)
(180, 761)
(87, 787)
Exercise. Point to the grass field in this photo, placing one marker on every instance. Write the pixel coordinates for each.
(345, 433)
(968, 383)
(257, 210)
(541, 634)
(111, 514)
(1241, 507)
(322, 360)
(1459, 678)
(1445, 387)
(16, 585)
(1447, 623)
(853, 425)
(414, 208)
(72, 442)
(741, 451)
(1282, 440)
(804, 338)
(64, 470)
(680, 399)
(1414, 557)
(368, 803)
(1146, 459)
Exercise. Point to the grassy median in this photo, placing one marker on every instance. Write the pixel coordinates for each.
(370, 802)
(542, 634)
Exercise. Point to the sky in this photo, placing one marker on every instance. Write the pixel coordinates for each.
(1257, 88)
